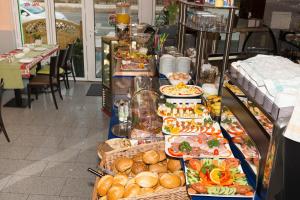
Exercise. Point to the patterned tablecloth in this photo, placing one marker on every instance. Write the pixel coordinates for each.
(13, 72)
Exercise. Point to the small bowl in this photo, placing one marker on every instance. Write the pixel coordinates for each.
(175, 82)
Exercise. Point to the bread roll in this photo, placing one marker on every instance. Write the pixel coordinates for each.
(145, 191)
(121, 179)
(138, 167)
(138, 157)
(131, 181)
(181, 176)
(158, 168)
(146, 179)
(124, 164)
(174, 165)
(103, 198)
(162, 155)
(132, 190)
(169, 181)
(150, 157)
(104, 184)
(115, 192)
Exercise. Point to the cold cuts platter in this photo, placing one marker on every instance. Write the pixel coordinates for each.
(175, 126)
(182, 110)
(197, 146)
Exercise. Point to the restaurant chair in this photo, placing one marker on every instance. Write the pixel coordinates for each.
(42, 81)
(62, 55)
(68, 67)
(2, 127)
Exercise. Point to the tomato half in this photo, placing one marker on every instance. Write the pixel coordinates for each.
(173, 153)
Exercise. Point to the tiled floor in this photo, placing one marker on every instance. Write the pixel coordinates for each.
(51, 150)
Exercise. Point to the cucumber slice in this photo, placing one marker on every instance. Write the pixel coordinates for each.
(218, 190)
(232, 191)
(226, 190)
(210, 190)
(222, 190)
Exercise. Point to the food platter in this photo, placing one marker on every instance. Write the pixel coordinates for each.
(135, 57)
(182, 110)
(174, 126)
(197, 146)
(181, 90)
(131, 66)
(246, 146)
(216, 178)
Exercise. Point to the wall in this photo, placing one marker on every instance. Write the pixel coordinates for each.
(7, 33)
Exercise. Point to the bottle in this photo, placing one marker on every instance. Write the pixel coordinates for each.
(121, 113)
(126, 112)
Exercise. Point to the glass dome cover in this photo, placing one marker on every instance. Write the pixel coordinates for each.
(144, 106)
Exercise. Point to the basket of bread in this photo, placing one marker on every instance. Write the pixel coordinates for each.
(142, 172)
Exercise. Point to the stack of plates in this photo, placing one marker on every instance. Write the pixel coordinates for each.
(183, 64)
(167, 64)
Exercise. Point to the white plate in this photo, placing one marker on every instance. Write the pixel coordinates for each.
(21, 48)
(218, 196)
(183, 95)
(39, 49)
(178, 106)
(26, 60)
(172, 138)
(188, 132)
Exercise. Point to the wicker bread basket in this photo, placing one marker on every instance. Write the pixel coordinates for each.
(107, 162)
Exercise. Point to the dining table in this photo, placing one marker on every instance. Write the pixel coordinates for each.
(17, 66)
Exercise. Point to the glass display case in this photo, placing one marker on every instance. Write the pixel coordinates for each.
(108, 44)
(145, 121)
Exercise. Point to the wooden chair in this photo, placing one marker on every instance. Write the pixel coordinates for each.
(2, 127)
(42, 81)
(62, 55)
(68, 67)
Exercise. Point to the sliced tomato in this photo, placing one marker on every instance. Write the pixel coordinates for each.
(170, 119)
(210, 131)
(195, 164)
(200, 140)
(216, 152)
(173, 153)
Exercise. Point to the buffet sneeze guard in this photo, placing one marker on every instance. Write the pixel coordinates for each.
(270, 176)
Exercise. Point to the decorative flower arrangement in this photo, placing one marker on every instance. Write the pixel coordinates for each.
(169, 13)
(171, 6)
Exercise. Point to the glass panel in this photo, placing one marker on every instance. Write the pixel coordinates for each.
(106, 65)
(33, 20)
(104, 10)
(69, 30)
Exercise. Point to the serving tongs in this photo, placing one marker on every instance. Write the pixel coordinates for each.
(100, 172)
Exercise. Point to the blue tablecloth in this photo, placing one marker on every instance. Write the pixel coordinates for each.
(113, 121)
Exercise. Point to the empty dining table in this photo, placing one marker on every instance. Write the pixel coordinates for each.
(18, 65)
